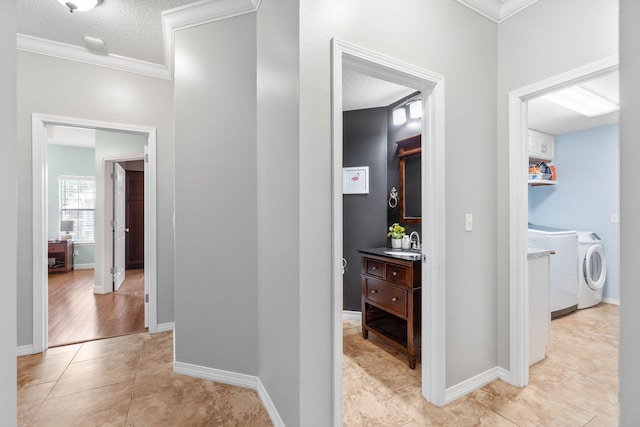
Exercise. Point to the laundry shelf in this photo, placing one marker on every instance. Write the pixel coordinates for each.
(537, 182)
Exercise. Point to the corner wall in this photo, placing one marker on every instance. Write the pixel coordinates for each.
(629, 397)
(280, 333)
(8, 215)
(548, 38)
(216, 307)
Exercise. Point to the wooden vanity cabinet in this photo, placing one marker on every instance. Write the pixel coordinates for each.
(391, 290)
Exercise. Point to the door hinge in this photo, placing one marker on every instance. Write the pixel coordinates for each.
(112, 176)
(113, 270)
(146, 297)
(146, 158)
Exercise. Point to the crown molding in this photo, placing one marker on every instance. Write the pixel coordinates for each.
(202, 12)
(497, 10)
(75, 53)
(187, 16)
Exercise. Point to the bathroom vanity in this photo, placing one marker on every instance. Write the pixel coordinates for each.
(391, 290)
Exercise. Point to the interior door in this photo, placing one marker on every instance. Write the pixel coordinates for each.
(135, 220)
(119, 226)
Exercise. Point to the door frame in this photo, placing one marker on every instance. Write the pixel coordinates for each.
(518, 207)
(374, 64)
(39, 225)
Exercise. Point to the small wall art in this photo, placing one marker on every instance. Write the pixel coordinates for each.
(355, 180)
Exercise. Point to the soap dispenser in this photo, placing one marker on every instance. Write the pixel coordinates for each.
(406, 242)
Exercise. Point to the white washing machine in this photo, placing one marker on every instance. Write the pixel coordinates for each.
(592, 269)
(563, 274)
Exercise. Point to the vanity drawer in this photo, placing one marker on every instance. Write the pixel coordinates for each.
(374, 267)
(396, 274)
(387, 297)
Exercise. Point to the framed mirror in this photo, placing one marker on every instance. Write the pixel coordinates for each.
(410, 155)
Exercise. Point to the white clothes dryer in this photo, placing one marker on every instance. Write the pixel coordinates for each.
(592, 269)
(563, 274)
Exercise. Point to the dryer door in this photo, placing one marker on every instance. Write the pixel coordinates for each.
(595, 266)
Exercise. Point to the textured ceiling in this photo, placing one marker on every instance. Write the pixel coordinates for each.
(131, 29)
(360, 91)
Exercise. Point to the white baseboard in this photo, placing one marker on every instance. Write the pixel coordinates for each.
(24, 350)
(504, 375)
(608, 300)
(351, 314)
(84, 266)
(165, 327)
(473, 383)
(232, 378)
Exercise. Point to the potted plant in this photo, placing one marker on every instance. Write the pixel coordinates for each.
(396, 231)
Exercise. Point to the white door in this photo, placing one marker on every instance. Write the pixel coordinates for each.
(119, 227)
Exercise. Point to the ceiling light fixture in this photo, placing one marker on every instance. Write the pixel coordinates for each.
(581, 101)
(399, 116)
(80, 5)
(415, 109)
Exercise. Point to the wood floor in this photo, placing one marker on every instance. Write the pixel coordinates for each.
(76, 314)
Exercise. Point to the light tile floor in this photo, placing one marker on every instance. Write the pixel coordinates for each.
(128, 381)
(576, 385)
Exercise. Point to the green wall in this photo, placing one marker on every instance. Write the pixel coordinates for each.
(70, 161)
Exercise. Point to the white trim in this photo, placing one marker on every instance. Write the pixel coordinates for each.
(497, 10)
(165, 327)
(471, 384)
(75, 53)
(518, 207)
(83, 266)
(614, 301)
(39, 200)
(232, 378)
(433, 296)
(350, 314)
(504, 375)
(24, 350)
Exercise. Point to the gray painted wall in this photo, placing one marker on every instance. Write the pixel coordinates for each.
(629, 397)
(574, 33)
(50, 85)
(8, 215)
(364, 215)
(449, 39)
(216, 308)
(280, 333)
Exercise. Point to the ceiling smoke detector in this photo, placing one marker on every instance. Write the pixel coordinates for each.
(80, 5)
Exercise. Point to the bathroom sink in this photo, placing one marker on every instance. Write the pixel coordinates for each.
(402, 253)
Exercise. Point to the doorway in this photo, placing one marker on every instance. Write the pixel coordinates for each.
(431, 85)
(103, 257)
(518, 206)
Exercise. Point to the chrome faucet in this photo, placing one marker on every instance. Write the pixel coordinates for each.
(415, 245)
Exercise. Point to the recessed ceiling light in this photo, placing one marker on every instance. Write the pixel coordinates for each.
(581, 101)
(79, 5)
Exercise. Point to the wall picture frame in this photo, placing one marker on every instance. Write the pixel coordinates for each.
(355, 180)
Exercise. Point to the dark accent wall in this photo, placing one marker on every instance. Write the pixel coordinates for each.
(364, 215)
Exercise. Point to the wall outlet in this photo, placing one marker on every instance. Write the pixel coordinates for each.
(468, 222)
(615, 217)
(75, 253)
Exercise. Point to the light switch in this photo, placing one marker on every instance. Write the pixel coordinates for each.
(615, 217)
(468, 222)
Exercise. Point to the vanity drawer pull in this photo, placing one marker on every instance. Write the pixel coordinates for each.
(394, 299)
(395, 273)
(373, 268)
(373, 291)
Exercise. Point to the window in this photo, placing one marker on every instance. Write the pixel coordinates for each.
(78, 204)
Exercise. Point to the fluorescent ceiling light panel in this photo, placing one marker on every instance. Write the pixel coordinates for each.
(581, 101)
(399, 116)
